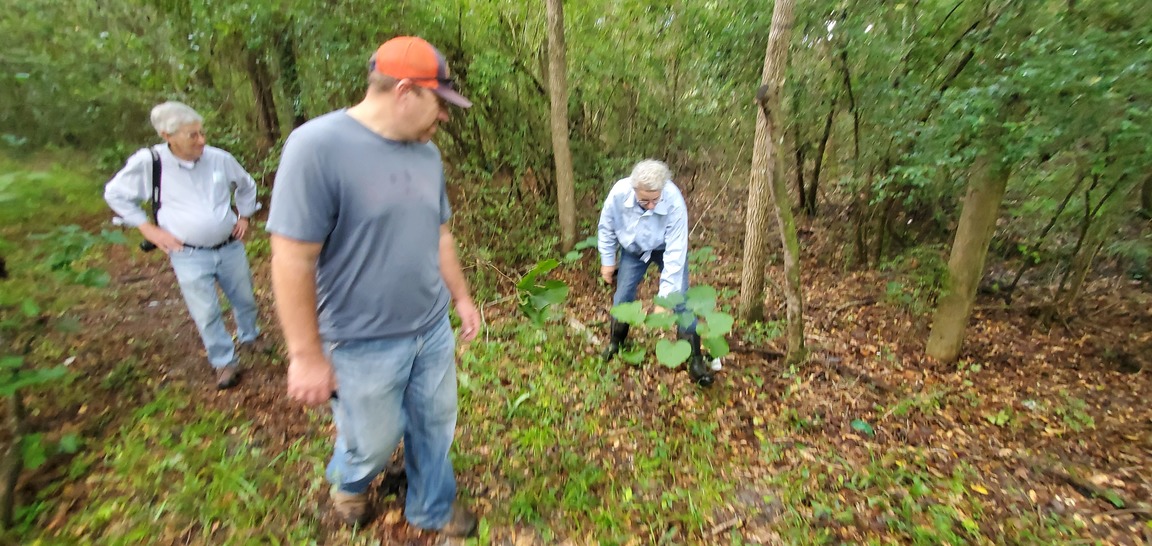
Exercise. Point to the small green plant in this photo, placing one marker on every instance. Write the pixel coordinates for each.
(538, 296)
(699, 305)
(922, 272)
(1074, 414)
(578, 250)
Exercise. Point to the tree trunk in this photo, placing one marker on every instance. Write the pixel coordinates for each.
(809, 200)
(267, 119)
(558, 93)
(12, 462)
(767, 184)
(798, 152)
(969, 250)
(286, 47)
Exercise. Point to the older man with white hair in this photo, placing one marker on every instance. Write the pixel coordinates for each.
(194, 222)
(645, 221)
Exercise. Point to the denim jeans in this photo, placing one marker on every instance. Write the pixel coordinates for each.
(199, 271)
(390, 388)
(630, 272)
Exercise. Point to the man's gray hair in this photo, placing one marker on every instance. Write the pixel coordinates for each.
(650, 175)
(169, 117)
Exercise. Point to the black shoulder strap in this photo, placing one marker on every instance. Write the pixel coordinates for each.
(155, 201)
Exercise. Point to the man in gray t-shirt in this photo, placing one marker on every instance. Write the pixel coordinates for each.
(363, 268)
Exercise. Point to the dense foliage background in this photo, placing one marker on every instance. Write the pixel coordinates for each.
(885, 101)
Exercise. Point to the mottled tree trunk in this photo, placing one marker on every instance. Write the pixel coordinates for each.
(768, 193)
(558, 93)
(969, 251)
(266, 117)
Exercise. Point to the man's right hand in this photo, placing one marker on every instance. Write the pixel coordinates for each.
(606, 273)
(161, 238)
(311, 379)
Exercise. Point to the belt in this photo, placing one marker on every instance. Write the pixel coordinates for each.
(214, 247)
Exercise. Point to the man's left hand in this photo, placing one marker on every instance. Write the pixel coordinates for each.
(469, 320)
(240, 229)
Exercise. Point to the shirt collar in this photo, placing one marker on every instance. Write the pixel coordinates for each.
(662, 207)
(182, 163)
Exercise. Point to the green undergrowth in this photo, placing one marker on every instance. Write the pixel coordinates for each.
(577, 453)
(181, 473)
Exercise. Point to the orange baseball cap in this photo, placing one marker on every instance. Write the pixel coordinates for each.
(410, 57)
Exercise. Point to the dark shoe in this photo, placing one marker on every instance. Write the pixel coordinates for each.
(227, 377)
(611, 351)
(698, 368)
(462, 524)
(619, 333)
(352, 508)
(699, 371)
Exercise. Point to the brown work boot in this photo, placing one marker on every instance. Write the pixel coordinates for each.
(351, 507)
(462, 523)
(228, 376)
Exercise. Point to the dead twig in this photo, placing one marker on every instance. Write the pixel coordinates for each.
(724, 526)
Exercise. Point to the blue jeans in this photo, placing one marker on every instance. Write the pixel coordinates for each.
(390, 388)
(630, 272)
(199, 271)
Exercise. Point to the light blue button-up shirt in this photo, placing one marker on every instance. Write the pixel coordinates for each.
(627, 225)
(195, 196)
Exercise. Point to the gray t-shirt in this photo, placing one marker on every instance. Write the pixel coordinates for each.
(377, 206)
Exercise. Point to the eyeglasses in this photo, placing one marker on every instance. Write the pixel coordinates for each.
(648, 202)
(193, 135)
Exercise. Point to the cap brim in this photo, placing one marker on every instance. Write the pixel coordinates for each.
(452, 96)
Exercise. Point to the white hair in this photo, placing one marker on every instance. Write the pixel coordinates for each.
(169, 117)
(650, 175)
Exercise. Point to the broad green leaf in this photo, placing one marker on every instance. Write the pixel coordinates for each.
(590, 242)
(69, 443)
(860, 425)
(572, 256)
(719, 324)
(660, 321)
(685, 320)
(672, 354)
(632, 355)
(34, 453)
(28, 378)
(11, 362)
(701, 299)
(631, 313)
(29, 308)
(716, 346)
(669, 302)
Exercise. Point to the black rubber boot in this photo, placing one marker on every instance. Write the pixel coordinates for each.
(698, 369)
(619, 335)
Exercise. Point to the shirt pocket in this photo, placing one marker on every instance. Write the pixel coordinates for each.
(220, 188)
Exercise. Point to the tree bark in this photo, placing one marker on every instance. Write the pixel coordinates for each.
(558, 93)
(289, 69)
(809, 200)
(767, 189)
(266, 117)
(969, 249)
(13, 461)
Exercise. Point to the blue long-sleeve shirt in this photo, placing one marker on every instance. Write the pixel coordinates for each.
(627, 225)
(195, 196)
